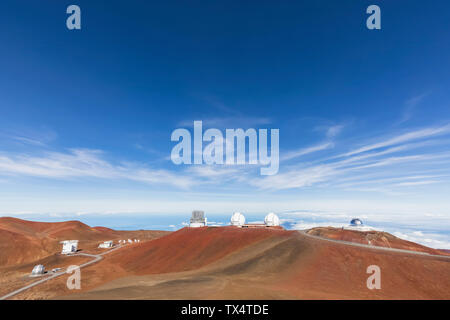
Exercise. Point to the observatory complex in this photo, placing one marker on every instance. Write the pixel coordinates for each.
(271, 220)
(198, 219)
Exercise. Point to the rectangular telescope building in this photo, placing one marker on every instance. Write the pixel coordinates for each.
(198, 219)
(69, 246)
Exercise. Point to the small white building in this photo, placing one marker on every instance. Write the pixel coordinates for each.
(106, 244)
(69, 246)
(130, 241)
(198, 219)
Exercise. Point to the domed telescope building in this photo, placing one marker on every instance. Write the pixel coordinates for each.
(356, 222)
(237, 219)
(198, 219)
(272, 220)
(38, 270)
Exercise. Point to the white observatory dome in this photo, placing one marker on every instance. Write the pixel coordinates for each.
(237, 219)
(37, 270)
(272, 220)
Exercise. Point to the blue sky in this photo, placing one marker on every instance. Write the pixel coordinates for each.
(364, 116)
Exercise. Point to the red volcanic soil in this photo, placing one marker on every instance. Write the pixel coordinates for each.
(250, 263)
(260, 263)
(23, 241)
(189, 248)
(103, 229)
(57, 230)
(374, 238)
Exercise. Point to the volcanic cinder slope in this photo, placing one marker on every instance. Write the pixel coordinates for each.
(235, 263)
(374, 238)
(23, 241)
(259, 263)
(24, 244)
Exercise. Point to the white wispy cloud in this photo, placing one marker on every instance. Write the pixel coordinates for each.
(86, 163)
(374, 179)
(27, 140)
(368, 159)
(430, 240)
(409, 136)
(214, 172)
(304, 151)
(333, 131)
(395, 163)
(296, 178)
(229, 122)
(415, 183)
(28, 137)
(410, 105)
(333, 172)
